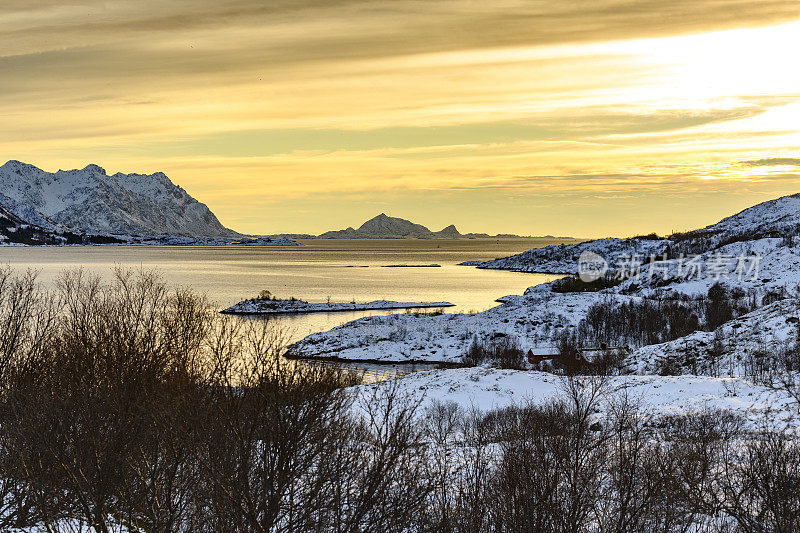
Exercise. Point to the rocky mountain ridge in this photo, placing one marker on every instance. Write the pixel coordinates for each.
(89, 200)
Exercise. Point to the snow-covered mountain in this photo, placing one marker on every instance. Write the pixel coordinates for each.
(90, 200)
(21, 226)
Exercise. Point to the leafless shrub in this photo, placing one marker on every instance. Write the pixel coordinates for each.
(636, 492)
(501, 351)
(443, 423)
(27, 318)
(139, 407)
(761, 487)
(85, 415)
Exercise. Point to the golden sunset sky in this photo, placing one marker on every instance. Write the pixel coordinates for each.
(586, 118)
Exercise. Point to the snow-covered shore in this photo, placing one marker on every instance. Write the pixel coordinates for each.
(530, 319)
(257, 306)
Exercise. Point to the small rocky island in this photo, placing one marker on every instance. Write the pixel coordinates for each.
(266, 304)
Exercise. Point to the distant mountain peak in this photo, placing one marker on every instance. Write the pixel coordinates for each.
(388, 227)
(449, 232)
(91, 167)
(14, 164)
(384, 225)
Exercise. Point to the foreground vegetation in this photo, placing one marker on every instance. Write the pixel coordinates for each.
(128, 406)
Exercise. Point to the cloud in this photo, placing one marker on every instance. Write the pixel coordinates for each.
(241, 100)
(772, 162)
(347, 28)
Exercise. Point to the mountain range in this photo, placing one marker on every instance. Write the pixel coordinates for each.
(89, 206)
(90, 200)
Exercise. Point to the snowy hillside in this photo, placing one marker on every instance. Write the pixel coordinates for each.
(778, 218)
(15, 230)
(730, 348)
(778, 215)
(488, 388)
(90, 200)
(760, 265)
(563, 258)
(28, 214)
(530, 320)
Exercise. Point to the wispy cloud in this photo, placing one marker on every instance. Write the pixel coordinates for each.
(773, 161)
(258, 107)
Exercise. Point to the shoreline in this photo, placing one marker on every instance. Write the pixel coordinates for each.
(442, 365)
(254, 307)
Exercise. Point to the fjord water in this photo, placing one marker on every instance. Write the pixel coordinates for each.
(342, 270)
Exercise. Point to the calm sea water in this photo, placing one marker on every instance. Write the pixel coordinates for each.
(342, 270)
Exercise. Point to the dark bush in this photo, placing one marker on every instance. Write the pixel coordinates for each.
(639, 322)
(130, 405)
(644, 321)
(502, 352)
(576, 284)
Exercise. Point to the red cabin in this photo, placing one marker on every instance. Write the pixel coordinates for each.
(535, 358)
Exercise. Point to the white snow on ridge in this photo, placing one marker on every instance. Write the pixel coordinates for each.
(764, 265)
(780, 214)
(92, 201)
(29, 214)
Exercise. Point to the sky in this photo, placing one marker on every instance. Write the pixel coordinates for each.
(587, 118)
